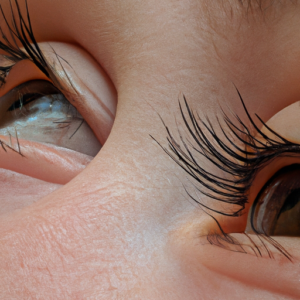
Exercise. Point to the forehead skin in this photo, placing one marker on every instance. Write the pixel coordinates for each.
(124, 228)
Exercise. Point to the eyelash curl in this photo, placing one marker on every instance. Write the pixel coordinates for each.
(239, 151)
(20, 33)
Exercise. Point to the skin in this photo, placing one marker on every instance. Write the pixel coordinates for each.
(124, 227)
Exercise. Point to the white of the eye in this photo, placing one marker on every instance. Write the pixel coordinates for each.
(51, 119)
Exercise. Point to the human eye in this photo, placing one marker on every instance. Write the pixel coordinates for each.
(275, 211)
(53, 118)
(275, 200)
(37, 111)
(245, 178)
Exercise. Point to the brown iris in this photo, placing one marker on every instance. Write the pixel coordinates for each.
(276, 210)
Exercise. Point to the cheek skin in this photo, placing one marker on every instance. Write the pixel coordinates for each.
(93, 234)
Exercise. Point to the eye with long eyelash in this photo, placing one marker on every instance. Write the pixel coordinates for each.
(20, 33)
(239, 151)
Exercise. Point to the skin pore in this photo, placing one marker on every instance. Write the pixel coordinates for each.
(124, 227)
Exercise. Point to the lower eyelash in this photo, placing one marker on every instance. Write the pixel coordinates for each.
(239, 162)
(5, 146)
(228, 242)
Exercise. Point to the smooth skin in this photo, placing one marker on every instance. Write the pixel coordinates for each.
(124, 228)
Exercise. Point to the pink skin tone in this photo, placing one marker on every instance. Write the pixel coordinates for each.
(124, 228)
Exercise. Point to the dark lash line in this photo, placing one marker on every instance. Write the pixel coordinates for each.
(241, 164)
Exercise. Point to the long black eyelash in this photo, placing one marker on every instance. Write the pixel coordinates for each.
(20, 32)
(239, 151)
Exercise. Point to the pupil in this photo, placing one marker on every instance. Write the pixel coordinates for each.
(276, 210)
(27, 98)
(291, 201)
(288, 221)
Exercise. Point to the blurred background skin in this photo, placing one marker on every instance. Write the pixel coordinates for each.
(125, 228)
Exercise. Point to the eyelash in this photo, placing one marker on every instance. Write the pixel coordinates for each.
(240, 164)
(21, 31)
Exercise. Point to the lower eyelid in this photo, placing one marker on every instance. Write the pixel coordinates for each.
(277, 275)
(261, 273)
(42, 161)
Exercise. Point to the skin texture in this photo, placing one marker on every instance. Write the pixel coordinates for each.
(124, 228)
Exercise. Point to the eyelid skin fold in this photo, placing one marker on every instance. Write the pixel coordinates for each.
(287, 122)
(86, 86)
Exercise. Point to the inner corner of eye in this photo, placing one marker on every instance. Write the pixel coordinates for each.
(37, 111)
